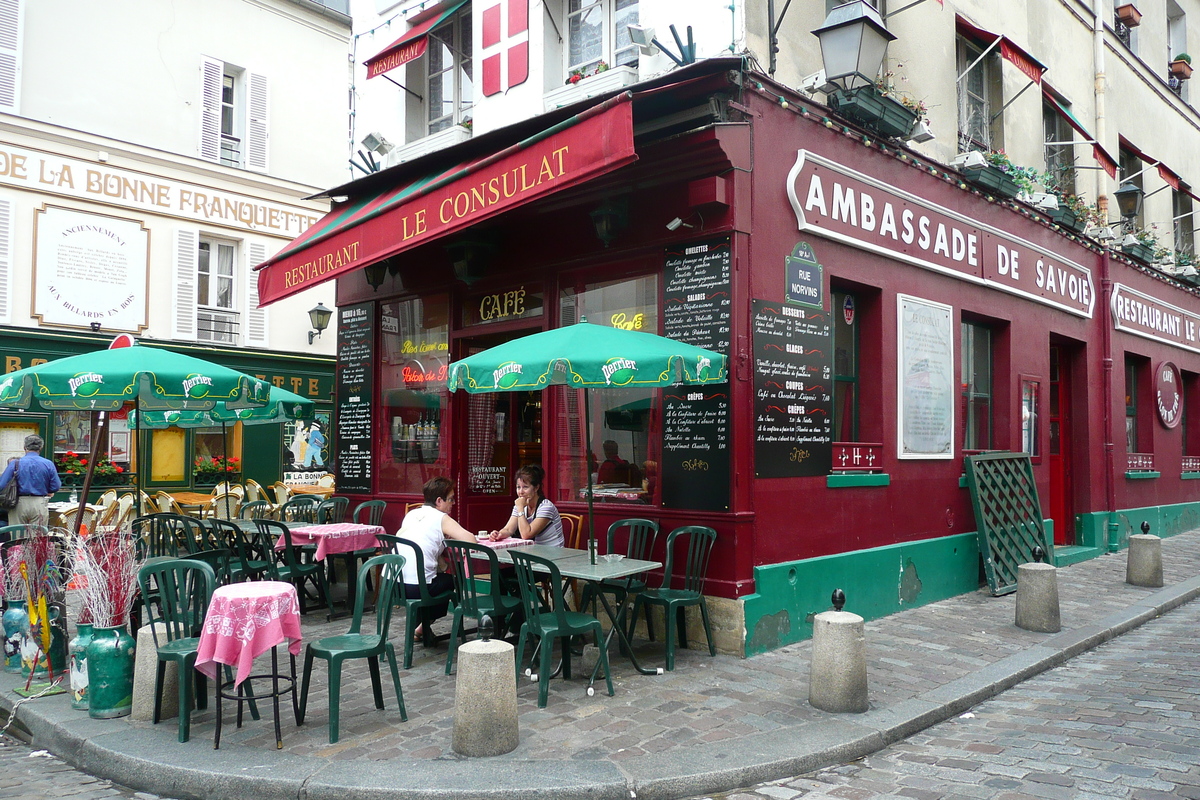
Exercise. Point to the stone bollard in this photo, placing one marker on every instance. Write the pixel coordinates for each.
(1037, 598)
(838, 679)
(485, 699)
(144, 668)
(1144, 567)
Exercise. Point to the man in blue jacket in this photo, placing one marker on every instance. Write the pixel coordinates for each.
(37, 479)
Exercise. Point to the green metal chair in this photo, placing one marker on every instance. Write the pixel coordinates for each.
(182, 588)
(256, 509)
(414, 607)
(333, 510)
(355, 644)
(643, 533)
(469, 601)
(558, 623)
(292, 570)
(302, 508)
(373, 509)
(700, 541)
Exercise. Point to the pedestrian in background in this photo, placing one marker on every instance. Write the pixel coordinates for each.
(37, 480)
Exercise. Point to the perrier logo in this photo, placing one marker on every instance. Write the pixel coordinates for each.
(196, 385)
(507, 375)
(619, 371)
(85, 384)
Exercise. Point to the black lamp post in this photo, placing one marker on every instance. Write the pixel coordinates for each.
(1129, 202)
(319, 317)
(854, 42)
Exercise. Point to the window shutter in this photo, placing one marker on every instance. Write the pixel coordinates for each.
(256, 122)
(211, 74)
(10, 55)
(6, 212)
(187, 244)
(256, 318)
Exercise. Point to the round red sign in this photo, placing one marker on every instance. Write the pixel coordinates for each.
(1168, 391)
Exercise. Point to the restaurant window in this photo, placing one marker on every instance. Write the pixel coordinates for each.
(168, 457)
(216, 312)
(978, 94)
(977, 386)
(450, 93)
(1189, 426)
(72, 432)
(1059, 149)
(1137, 434)
(844, 309)
(626, 429)
(414, 346)
(598, 32)
(209, 443)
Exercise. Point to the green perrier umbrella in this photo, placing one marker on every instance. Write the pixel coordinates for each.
(151, 378)
(587, 356)
(281, 406)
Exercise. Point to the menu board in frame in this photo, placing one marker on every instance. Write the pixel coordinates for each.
(925, 378)
(355, 390)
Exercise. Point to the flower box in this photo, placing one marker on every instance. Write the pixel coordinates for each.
(866, 106)
(1067, 218)
(1142, 252)
(1129, 15)
(592, 85)
(1181, 69)
(992, 179)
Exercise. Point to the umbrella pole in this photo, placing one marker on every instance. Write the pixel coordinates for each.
(99, 424)
(225, 453)
(587, 465)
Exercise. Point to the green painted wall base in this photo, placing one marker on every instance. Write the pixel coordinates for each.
(877, 582)
(1066, 555)
(1094, 529)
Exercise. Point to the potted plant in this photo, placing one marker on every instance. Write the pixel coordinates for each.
(211, 470)
(106, 473)
(1072, 212)
(71, 467)
(1181, 66)
(1129, 15)
(1142, 244)
(994, 172)
(881, 108)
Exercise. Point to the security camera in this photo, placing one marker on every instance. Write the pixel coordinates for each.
(676, 224)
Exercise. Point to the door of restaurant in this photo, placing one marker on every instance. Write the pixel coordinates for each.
(503, 431)
(1062, 509)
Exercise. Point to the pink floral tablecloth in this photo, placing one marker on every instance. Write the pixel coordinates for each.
(342, 537)
(244, 621)
(503, 544)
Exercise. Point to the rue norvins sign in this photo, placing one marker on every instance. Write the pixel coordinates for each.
(842, 204)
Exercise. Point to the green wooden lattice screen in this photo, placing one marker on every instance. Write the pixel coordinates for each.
(1008, 514)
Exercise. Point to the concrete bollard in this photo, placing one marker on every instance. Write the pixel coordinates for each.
(1037, 598)
(838, 680)
(485, 700)
(144, 668)
(1144, 567)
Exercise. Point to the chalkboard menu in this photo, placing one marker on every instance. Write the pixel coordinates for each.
(355, 388)
(695, 457)
(696, 310)
(793, 391)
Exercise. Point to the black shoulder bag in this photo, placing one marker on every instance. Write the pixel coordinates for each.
(10, 493)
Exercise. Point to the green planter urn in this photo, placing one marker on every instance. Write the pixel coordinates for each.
(110, 658)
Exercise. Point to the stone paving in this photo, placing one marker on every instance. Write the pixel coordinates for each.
(27, 773)
(1120, 721)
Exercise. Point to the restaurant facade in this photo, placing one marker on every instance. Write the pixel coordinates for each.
(882, 318)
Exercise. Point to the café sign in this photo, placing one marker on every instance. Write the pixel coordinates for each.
(517, 303)
(839, 203)
(1143, 315)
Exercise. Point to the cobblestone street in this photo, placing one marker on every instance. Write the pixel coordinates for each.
(30, 774)
(1120, 721)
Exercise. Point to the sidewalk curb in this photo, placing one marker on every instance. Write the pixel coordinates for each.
(141, 759)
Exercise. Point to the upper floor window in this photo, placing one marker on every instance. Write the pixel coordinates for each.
(216, 314)
(1184, 223)
(978, 95)
(450, 91)
(598, 31)
(1060, 149)
(233, 116)
(977, 386)
(1176, 45)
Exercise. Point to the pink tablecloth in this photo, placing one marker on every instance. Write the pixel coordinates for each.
(503, 544)
(342, 537)
(244, 621)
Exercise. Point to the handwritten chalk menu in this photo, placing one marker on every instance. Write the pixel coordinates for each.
(696, 310)
(793, 391)
(695, 449)
(355, 388)
(696, 294)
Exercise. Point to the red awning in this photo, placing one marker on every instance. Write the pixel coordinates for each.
(410, 46)
(372, 227)
(1009, 50)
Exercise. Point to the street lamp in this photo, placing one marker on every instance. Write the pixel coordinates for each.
(1129, 202)
(854, 42)
(319, 317)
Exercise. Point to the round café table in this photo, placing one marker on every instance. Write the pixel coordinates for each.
(245, 620)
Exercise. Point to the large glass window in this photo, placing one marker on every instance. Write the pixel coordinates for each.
(977, 386)
(844, 309)
(1133, 439)
(414, 346)
(598, 31)
(626, 429)
(451, 93)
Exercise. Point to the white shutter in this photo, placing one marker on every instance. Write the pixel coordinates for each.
(10, 55)
(256, 122)
(256, 318)
(211, 74)
(6, 266)
(187, 245)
